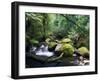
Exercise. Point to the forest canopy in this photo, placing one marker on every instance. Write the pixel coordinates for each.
(40, 26)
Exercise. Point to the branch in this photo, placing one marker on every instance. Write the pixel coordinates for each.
(70, 20)
(55, 58)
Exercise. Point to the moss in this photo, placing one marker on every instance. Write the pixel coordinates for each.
(83, 51)
(67, 48)
(47, 40)
(52, 44)
(66, 41)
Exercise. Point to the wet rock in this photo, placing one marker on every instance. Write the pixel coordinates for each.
(58, 47)
(67, 48)
(51, 46)
(66, 41)
(84, 52)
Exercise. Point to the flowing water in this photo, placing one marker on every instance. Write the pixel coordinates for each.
(43, 51)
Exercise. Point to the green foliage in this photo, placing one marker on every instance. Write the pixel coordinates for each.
(35, 25)
(34, 42)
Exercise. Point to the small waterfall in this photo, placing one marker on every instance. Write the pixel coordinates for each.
(32, 49)
(43, 51)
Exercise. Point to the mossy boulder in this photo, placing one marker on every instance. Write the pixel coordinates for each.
(47, 40)
(34, 42)
(66, 41)
(83, 51)
(52, 46)
(67, 48)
